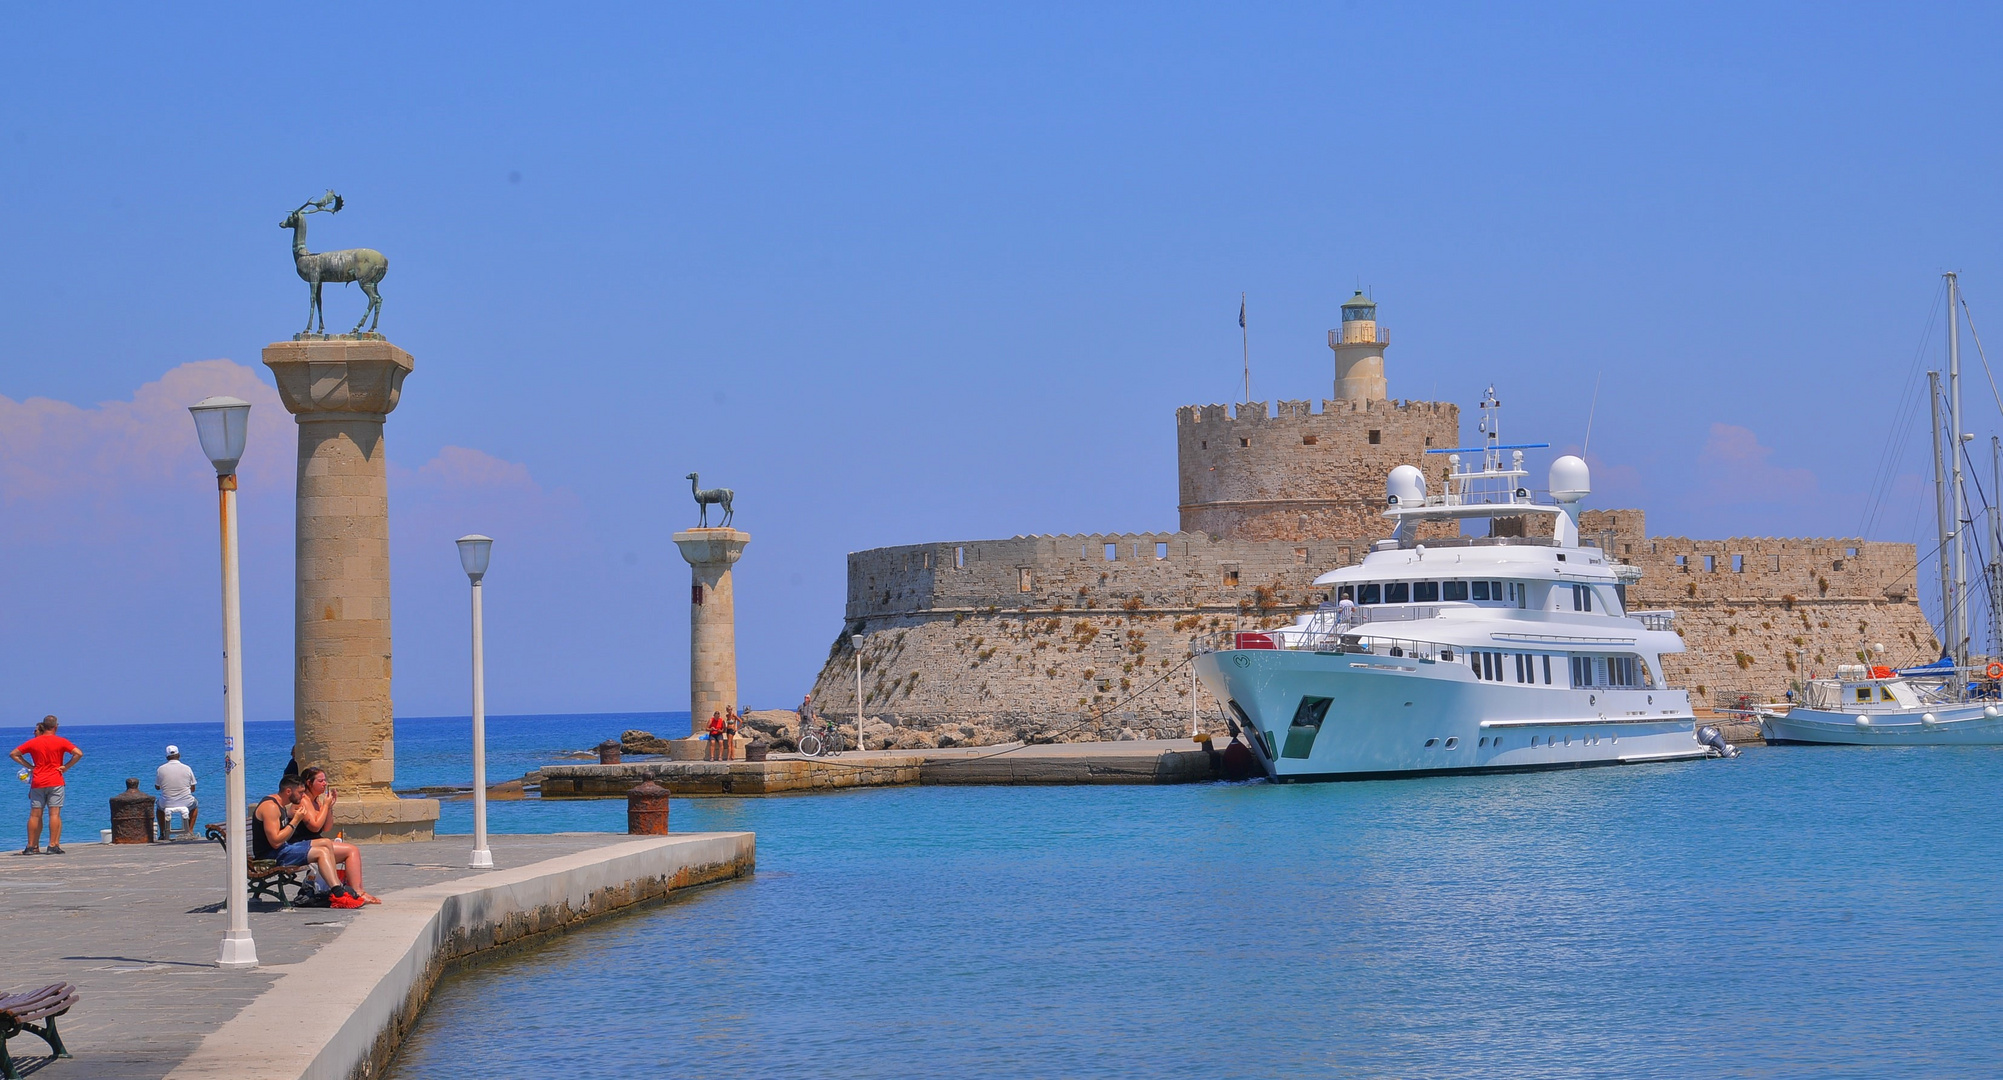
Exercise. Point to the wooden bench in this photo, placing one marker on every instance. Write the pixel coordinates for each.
(18, 1013)
(267, 879)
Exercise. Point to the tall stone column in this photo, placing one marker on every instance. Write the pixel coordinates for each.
(712, 620)
(341, 390)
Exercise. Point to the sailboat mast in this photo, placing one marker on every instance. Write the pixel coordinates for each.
(1940, 516)
(1960, 606)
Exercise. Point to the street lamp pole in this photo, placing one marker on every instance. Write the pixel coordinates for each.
(855, 640)
(221, 423)
(473, 553)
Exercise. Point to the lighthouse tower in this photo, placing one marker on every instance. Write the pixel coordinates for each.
(1359, 351)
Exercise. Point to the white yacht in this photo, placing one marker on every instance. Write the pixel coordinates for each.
(1466, 654)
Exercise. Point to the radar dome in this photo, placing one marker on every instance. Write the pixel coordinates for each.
(1570, 479)
(1406, 486)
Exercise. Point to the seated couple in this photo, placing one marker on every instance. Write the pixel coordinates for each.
(290, 827)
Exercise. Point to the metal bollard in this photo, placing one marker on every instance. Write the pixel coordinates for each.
(608, 752)
(756, 749)
(131, 815)
(647, 810)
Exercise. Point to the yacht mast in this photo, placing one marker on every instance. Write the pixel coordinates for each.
(1940, 516)
(1959, 608)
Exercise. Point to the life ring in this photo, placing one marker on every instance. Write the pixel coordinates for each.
(1994, 670)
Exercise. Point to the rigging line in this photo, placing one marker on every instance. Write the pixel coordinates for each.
(1980, 353)
(1895, 447)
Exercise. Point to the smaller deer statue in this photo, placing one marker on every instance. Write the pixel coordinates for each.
(363, 266)
(706, 496)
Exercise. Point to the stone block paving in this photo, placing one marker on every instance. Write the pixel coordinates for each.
(136, 928)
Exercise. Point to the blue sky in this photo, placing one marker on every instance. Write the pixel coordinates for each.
(924, 273)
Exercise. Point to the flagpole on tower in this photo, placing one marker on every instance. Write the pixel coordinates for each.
(1245, 340)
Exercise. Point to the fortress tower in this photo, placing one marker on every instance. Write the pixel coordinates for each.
(1359, 351)
(1298, 474)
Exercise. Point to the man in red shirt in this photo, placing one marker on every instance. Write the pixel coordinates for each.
(50, 755)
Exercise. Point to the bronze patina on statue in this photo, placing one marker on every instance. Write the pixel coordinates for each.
(708, 497)
(361, 266)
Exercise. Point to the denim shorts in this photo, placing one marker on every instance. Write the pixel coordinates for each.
(51, 797)
(293, 854)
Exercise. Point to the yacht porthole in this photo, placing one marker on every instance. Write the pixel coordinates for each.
(1482, 743)
(1592, 699)
(1533, 740)
(1453, 742)
(1568, 740)
(1432, 742)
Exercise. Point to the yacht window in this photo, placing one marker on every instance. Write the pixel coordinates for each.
(1481, 590)
(1397, 592)
(1495, 590)
(1623, 671)
(1425, 591)
(1885, 694)
(1523, 669)
(1453, 590)
(1345, 592)
(1368, 594)
(1547, 670)
(1620, 593)
(1582, 598)
(1522, 595)
(1582, 671)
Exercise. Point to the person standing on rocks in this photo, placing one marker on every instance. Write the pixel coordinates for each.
(50, 756)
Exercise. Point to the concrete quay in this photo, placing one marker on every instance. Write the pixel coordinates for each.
(1141, 761)
(136, 927)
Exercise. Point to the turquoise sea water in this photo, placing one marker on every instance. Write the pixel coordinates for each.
(1797, 912)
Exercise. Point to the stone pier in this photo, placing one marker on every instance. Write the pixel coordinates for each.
(341, 390)
(712, 620)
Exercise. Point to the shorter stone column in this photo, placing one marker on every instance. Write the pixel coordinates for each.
(712, 621)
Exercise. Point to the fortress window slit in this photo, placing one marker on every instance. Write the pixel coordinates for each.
(1376, 436)
(1161, 549)
(959, 558)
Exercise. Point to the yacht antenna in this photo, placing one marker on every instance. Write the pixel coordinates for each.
(1940, 514)
(1960, 498)
(1590, 409)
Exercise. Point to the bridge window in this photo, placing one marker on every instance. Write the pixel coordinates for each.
(1369, 594)
(1397, 592)
(1481, 590)
(1453, 590)
(1425, 592)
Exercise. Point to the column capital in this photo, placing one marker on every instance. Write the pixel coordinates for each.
(708, 547)
(358, 377)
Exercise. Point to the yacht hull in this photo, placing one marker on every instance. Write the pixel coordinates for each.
(1401, 716)
(1968, 725)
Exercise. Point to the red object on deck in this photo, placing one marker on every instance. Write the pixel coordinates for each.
(1247, 639)
(1879, 671)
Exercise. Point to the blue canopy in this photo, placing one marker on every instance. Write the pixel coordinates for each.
(1942, 666)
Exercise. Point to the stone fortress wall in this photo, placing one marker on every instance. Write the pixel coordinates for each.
(1298, 472)
(1082, 636)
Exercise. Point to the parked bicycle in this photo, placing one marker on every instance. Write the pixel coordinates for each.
(828, 740)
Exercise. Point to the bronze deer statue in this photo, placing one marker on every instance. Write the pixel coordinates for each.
(705, 496)
(363, 266)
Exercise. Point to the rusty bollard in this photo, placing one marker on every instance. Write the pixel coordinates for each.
(647, 810)
(756, 749)
(608, 752)
(131, 815)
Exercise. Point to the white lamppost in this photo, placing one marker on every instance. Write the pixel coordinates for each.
(473, 552)
(855, 640)
(221, 423)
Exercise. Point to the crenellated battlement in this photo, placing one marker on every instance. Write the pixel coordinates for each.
(1291, 472)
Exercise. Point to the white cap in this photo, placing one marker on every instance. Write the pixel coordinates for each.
(173, 751)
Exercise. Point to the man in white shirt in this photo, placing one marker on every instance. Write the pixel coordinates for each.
(176, 784)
